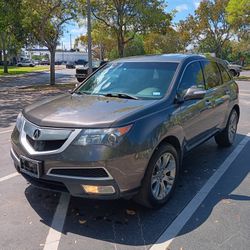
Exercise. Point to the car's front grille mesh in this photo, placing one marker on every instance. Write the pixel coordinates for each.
(40, 145)
(81, 172)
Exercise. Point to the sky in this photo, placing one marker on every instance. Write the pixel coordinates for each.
(183, 8)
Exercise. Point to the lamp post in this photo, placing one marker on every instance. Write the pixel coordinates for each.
(89, 36)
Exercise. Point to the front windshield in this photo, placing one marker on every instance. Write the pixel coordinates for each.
(144, 80)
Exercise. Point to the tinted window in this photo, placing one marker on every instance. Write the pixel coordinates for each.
(141, 79)
(211, 74)
(225, 75)
(192, 77)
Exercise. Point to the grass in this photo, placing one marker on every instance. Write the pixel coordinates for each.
(242, 78)
(13, 70)
(246, 67)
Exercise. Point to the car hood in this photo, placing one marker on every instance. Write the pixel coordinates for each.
(82, 111)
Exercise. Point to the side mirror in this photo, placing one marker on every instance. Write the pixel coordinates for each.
(193, 93)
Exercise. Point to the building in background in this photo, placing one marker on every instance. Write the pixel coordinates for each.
(61, 55)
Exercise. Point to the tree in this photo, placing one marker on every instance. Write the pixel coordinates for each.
(209, 27)
(102, 40)
(156, 43)
(11, 32)
(126, 18)
(45, 20)
(238, 15)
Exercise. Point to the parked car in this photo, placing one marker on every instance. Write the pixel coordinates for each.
(124, 131)
(70, 65)
(26, 63)
(75, 64)
(82, 70)
(45, 62)
(234, 69)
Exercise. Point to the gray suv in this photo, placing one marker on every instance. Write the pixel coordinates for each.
(124, 131)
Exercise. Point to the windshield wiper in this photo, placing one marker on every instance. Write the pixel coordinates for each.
(121, 95)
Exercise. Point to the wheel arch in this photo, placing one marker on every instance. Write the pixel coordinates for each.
(174, 141)
(237, 109)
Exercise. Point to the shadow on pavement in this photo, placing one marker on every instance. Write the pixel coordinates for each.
(128, 224)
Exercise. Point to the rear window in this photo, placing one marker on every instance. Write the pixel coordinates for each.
(211, 74)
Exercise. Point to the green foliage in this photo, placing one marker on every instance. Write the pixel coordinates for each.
(156, 43)
(208, 27)
(238, 15)
(11, 32)
(135, 47)
(45, 20)
(127, 18)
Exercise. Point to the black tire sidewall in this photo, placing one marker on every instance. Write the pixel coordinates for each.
(146, 187)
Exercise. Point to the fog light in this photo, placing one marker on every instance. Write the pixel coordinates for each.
(98, 189)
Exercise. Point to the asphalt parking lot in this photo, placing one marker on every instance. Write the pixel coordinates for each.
(210, 208)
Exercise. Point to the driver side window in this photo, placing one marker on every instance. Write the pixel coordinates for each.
(192, 77)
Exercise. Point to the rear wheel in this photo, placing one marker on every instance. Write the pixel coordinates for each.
(160, 177)
(227, 136)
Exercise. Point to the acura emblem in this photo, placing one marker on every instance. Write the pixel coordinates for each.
(36, 134)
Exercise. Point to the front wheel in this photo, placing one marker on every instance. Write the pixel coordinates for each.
(160, 177)
(233, 72)
(227, 136)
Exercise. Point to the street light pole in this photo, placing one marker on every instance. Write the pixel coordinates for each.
(89, 36)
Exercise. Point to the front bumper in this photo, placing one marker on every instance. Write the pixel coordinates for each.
(73, 185)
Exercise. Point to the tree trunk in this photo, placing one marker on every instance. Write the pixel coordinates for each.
(5, 63)
(52, 66)
(1, 59)
(120, 47)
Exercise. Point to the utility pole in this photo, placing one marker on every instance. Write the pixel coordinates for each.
(89, 36)
(70, 42)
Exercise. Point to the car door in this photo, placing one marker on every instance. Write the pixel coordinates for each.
(216, 94)
(226, 88)
(192, 112)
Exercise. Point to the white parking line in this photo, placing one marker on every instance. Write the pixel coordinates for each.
(9, 176)
(6, 131)
(55, 232)
(175, 227)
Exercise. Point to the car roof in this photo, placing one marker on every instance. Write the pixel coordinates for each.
(161, 58)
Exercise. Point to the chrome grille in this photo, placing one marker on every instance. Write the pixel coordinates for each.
(43, 140)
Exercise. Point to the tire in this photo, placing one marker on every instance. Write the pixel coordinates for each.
(80, 79)
(238, 74)
(233, 72)
(226, 137)
(157, 187)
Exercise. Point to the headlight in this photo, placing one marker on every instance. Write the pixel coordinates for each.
(19, 122)
(110, 137)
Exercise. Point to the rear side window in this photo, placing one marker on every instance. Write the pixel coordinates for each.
(192, 76)
(211, 74)
(224, 74)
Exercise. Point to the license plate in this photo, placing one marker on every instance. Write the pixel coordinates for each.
(31, 167)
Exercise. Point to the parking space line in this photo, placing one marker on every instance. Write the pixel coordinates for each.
(55, 231)
(9, 176)
(6, 131)
(175, 227)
